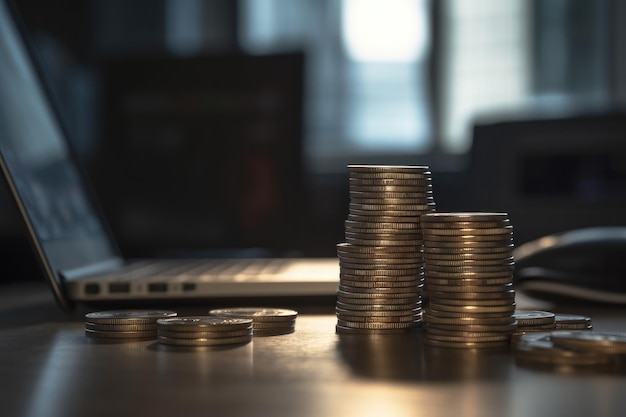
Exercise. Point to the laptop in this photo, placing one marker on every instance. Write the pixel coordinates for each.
(74, 245)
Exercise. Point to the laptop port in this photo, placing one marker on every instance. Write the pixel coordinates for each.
(92, 288)
(157, 287)
(189, 286)
(119, 287)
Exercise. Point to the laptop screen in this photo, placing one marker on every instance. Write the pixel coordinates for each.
(36, 159)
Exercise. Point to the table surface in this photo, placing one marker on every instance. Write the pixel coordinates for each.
(49, 368)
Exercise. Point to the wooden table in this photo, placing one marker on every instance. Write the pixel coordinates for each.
(49, 368)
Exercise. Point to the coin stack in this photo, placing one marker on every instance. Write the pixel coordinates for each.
(381, 263)
(572, 322)
(571, 350)
(265, 321)
(204, 331)
(124, 325)
(468, 270)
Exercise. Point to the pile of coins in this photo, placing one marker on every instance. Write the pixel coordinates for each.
(381, 263)
(124, 325)
(571, 350)
(468, 271)
(265, 321)
(204, 331)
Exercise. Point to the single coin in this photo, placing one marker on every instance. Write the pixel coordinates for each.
(466, 338)
(382, 225)
(383, 219)
(173, 341)
(467, 225)
(405, 169)
(572, 322)
(385, 242)
(393, 313)
(426, 199)
(121, 327)
(127, 316)
(532, 318)
(350, 330)
(466, 345)
(257, 314)
(470, 263)
(441, 217)
(605, 342)
(411, 182)
(473, 296)
(379, 307)
(204, 334)
(473, 309)
(195, 323)
(391, 175)
(98, 334)
(462, 232)
(273, 332)
(434, 320)
(415, 237)
(479, 269)
(375, 326)
(468, 250)
(468, 288)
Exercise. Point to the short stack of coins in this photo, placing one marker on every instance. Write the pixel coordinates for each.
(468, 272)
(381, 263)
(124, 325)
(204, 331)
(265, 321)
(572, 322)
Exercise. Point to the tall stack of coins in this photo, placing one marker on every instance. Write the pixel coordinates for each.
(468, 271)
(381, 263)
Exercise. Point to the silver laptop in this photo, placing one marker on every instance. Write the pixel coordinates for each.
(77, 251)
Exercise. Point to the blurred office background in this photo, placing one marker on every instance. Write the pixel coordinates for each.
(351, 81)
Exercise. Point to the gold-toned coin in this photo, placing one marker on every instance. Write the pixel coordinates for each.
(413, 261)
(389, 272)
(204, 334)
(390, 188)
(375, 326)
(383, 278)
(355, 318)
(393, 213)
(534, 318)
(465, 338)
(379, 307)
(468, 288)
(461, 244)
(101, 334)
(411, 182)
(426, 199)
(491, 328)
(473, 296)
(469, 250)
(501, 237)
(507, 230)
(467, 225)
(383, 219)
(372, 299)
(506, 309)
(392, 175)
(350, 224)
(504, 269)
(470, 263)
(379, 284)
(350, 330)
(430, 319)
(196, 323)
(415, 244)
(378, 208)
(416, 237)
(408, 291)
(429, 273)
(466, 345)
(257, 314)
(478, 303)
(121, 327)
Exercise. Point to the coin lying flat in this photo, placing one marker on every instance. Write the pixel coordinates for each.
(605, 342)
(257, 314)
(124, 325)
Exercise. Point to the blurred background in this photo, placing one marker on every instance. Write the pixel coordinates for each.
(224, 127)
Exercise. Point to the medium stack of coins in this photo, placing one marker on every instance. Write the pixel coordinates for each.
(204, 331)
(468, 271)
(381, 263)
(124, 325)
(265, 321)
(572, 350)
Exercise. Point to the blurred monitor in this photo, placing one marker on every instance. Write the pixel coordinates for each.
(203, 153)
(551, 174)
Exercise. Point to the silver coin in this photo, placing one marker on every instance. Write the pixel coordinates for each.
(127, 316)
(441, 217)
(572, 322)
(121, 327)
(101, 334)
(467, 224)
(349, 330)
(605, 342)
(375, 326)
(380, 300)
(473, 296)
(414, 233)
(257, 314)
(411, 182)
(380, 313)
(273, 325)
(405, 169)
(544, 352)
(534, 317)
(453, 314)
(389, 267)
(355, 207)
(508, 230)
(173, 341)
(469, 282)
(391, 175)
(469, 250)
(392, 213)
(378, 307)
(195, 323)
(356, 318)
(382, 225)
(204, 334)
